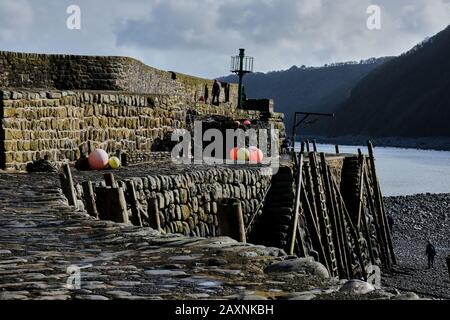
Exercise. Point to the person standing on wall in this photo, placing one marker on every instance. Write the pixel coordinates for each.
(215, 93)
(206, 93)
(431, 253)
(285, 146)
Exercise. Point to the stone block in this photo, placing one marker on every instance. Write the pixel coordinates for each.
(186, 212)
(9, 157)
(9, 112)
(160, 199)
(10, 145)
(54, 95)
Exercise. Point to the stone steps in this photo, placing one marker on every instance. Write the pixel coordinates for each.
(275, 223)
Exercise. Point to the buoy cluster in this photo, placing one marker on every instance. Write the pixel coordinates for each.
(252, 154)
(99, 160)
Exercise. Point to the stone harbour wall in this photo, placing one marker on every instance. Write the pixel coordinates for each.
(75, 72)
(23, 70)
(61, 106)
(187, 202)
(57, 124)
(60, 124)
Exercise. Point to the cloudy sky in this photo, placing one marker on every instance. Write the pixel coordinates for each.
(199, 36)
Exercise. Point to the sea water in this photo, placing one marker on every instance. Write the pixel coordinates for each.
(406, 171)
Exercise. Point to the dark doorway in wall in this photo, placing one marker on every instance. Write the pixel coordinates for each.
(2, 135)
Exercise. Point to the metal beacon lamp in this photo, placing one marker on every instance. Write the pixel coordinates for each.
(241, 65)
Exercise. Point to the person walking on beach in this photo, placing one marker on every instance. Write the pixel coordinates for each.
(431, 253)
(215, 93)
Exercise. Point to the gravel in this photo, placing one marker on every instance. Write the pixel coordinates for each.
(418, 219)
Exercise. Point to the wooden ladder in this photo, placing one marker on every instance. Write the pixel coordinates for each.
(324, 220)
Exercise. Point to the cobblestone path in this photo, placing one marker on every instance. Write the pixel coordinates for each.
(41, 237)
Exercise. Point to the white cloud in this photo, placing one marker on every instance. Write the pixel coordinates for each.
(308, 7)
(16, 19)
(199, 36)
(435, 14)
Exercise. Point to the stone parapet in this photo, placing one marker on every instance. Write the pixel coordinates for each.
(76, 72)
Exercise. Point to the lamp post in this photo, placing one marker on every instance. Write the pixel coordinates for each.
(305, 115)
(241, 65)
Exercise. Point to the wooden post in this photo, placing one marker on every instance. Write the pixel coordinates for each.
(110, 180)
(231, 220)
(89, 199)
(366, 229)
(314, 145)
(297, 203)
(340, 220)
(380, 204)
(134, 204)
(111, 204)
(153, 215)
(302, 150)
(360, 190)
(353, 231)
(295, 159)
(309, 186)
(382, 245)
(313, 224)
(337, 149)
(307, 146)
(67, 185)
(301, 234)
(362, 222)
